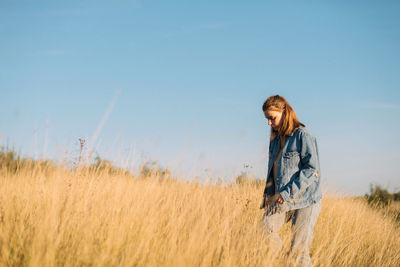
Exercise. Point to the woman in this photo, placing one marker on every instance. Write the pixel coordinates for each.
(293, 184)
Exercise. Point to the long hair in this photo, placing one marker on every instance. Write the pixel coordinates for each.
(290, 122)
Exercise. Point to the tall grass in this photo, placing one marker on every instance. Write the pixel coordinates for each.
(51, 216)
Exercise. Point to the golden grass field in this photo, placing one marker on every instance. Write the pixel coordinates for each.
(57, 217)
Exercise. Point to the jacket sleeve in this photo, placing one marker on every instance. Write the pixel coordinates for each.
(309, 171)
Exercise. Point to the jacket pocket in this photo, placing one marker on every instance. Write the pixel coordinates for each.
(292, 160)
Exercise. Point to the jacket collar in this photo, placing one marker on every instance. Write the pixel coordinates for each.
(292, 133)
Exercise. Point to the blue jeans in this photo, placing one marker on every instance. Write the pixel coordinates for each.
(303, 222)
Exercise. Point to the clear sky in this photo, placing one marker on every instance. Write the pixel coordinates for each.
(183, 82)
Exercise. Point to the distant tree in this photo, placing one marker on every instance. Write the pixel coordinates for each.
(103, 165)
(379, 196)
(12, 162)
(396, 196)
(243, 178)
(152, 168)
(9, 159)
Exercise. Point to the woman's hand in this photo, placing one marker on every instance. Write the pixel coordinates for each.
(280, 199)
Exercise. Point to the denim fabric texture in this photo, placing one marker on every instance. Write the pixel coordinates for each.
(298, 177)
(303, 223)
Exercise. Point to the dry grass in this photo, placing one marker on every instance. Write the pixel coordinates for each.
(55, 217)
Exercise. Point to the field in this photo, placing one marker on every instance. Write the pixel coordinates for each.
(51, 216)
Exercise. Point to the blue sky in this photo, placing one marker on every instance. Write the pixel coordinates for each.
(184, 82)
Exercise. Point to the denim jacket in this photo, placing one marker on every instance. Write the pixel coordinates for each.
(298, 178)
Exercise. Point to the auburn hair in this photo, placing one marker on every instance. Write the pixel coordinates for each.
(290, 122)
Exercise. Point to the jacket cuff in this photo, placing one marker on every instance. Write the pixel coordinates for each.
(285, 195)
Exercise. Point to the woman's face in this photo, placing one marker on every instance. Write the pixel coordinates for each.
(274, 118)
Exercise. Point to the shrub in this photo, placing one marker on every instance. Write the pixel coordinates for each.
(11, 161)
(378, 195)
(244, 179)
(151, 168)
